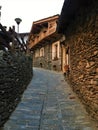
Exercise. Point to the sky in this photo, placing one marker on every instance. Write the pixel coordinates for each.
(29, 11)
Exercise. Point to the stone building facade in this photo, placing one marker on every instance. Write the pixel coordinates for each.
(44, 42)
(81, 45)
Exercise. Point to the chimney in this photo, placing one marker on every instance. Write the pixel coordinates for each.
(13, 27)
(5, 27)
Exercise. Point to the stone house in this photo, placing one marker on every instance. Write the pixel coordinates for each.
(44, 42)
(24, 37)
(79, 23)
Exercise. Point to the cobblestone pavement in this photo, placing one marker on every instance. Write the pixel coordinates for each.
(49, 104)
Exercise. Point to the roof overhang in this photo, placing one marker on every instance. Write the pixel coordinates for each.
(69, 10)
(38, 25)
(47, 40)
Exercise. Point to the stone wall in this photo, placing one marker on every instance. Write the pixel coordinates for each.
(83, 44)
(15, 74)
(43, 61)
(46, 61)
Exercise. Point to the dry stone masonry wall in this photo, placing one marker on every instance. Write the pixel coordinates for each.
(83, 45)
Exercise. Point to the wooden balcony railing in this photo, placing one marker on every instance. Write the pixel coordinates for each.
(42, 35)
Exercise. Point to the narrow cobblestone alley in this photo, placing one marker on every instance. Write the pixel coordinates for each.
(49, 104)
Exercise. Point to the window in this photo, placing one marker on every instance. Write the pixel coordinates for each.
(55, 51)
(37, 53)
(42, 52)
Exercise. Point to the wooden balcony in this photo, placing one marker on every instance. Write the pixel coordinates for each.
(42, 35)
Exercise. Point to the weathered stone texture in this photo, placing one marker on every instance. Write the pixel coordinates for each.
(84, 59)
(46, 61)
(15, 74)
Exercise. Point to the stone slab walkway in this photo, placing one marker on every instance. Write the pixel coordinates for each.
(49, 104)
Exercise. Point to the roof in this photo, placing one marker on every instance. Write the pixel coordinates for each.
(69, 10)
(42, 23)
(27, 33)
(46, 19)
(24, 34)
(38, 25)
(43, 31)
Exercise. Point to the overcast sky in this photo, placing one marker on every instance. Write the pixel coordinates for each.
(29, 11)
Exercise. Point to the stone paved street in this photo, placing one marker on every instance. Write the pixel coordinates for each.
(49, 104)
